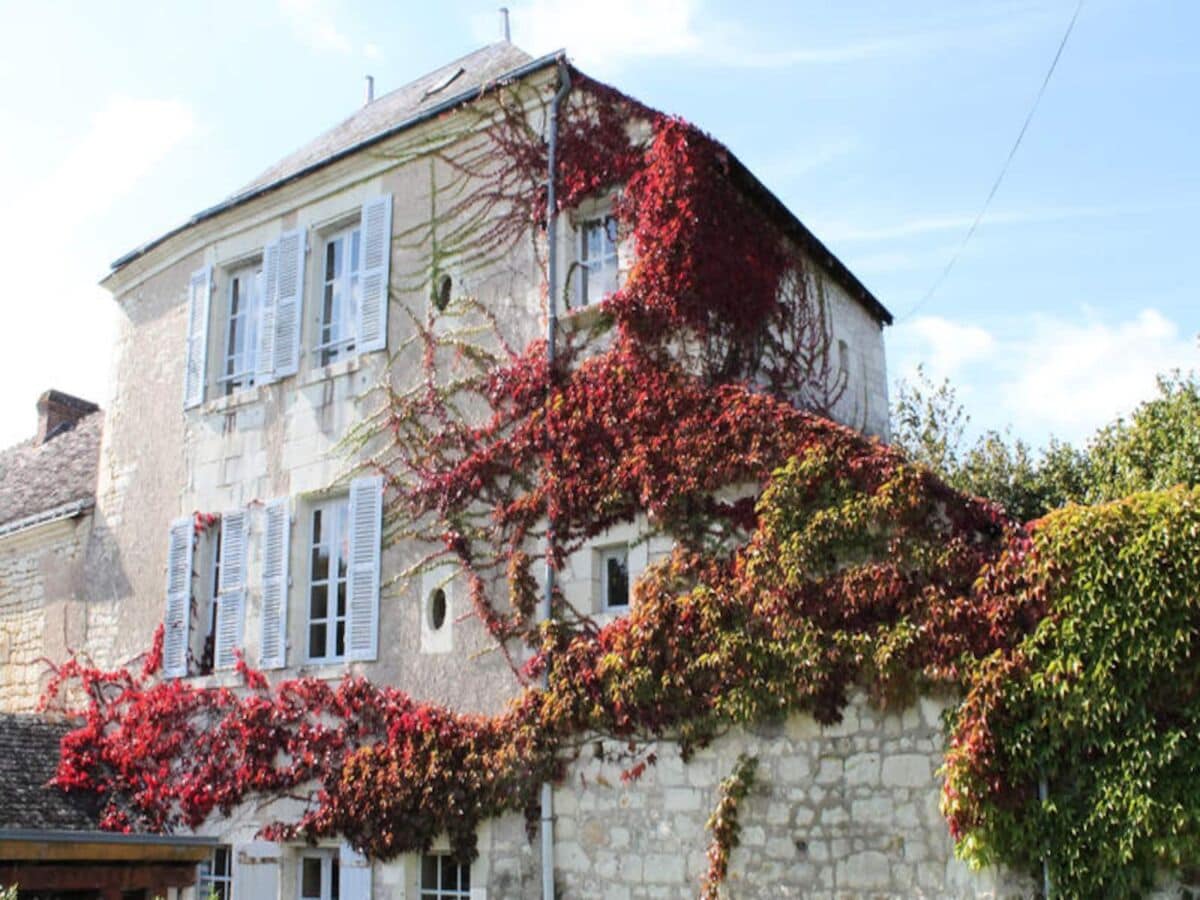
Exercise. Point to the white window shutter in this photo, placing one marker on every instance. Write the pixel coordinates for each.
(231, 589)
(366, 534)
(354, 874)
(256, 873)
(234, 525)
(273, 654)
(374, 266)
(265, 361)
(179, 598)
(231, 616)
(288, 305)
(196, 367)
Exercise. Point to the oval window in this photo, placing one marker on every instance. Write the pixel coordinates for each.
(437, 609)
(441, 297)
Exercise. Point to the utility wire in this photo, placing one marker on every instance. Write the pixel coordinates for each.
(1003, 169)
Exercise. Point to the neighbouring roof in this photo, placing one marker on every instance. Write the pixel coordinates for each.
(29, 750)
(38, 480)
(446, 88)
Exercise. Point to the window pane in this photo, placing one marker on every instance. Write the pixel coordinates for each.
(316, 641)
(318, 607)
(310, 877)
(320, 563)
(316, 526)
(334, 887)
(616, 579)
(340, 649)
(429, 873)
(221, 861)
(464, 878)
(449, 874)
(341, 598)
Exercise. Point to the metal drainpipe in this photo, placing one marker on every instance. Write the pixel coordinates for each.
(1047, 884)
(546, 608)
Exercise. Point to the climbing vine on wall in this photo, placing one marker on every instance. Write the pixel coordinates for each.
(809, 559)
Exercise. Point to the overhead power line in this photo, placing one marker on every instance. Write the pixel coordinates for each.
(1003, 169)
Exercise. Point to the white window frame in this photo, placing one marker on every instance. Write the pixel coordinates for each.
(614, 551)
(337, 334)
(436, 891)
(209, 880)
(595, 268)
(208, 627)
(329, 875)
(336, 530)
(250, 320)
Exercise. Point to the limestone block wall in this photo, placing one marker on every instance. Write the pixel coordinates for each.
(844, 811)
(42, 611)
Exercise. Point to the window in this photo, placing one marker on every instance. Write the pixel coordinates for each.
(599, 271)
(209, 625)
(215, 878)
(241, 328)
(614, 578)
(443, 878)
(341, 292)
(319, 876)
(329, 553)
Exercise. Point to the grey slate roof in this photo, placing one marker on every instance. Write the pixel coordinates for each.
(28, 758)
(469, 73)
(37, 479)
(446, 88)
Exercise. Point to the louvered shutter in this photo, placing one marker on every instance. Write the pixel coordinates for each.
(265, 360)
(275, 585)
(366, 527)
(256, 874)
(231, 589)
(196, 366)
(179, 599)
(374, 266)
(289, 303)
(354, 874)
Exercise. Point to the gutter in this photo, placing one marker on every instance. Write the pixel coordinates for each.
(104, 837)
(432, 113)
(547, 603)
(65, 511)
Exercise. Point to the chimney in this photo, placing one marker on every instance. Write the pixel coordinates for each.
(370, 90)
(504, 29)
(58, 412)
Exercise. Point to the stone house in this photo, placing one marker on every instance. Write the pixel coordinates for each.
(227, 509)
(47, 497)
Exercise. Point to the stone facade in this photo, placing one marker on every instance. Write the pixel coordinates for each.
(160, 461)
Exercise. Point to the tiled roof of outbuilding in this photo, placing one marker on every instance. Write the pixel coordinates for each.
(29, 749)
(40, 478)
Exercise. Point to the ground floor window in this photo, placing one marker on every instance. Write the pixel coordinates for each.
(215, 881)
(443, 878)
(319, 876)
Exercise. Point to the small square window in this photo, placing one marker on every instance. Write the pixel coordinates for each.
(320, 878)
(444, 878)
(599, 265)
(614, 578)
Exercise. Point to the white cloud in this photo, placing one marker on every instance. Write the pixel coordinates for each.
(1078, 375)
(949, 346)
(60, 324)
(313, 22)
(1049, 374)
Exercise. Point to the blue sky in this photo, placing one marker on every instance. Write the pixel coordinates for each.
(880, 124)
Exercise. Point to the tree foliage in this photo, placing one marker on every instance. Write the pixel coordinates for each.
(1158, 446)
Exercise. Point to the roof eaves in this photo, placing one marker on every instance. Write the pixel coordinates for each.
(64, 511)
(425, 115)
(799, 231)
